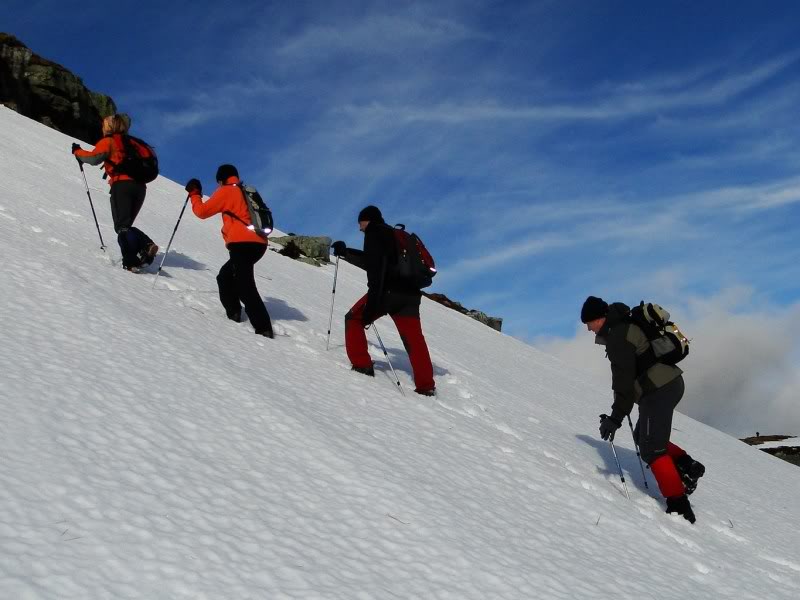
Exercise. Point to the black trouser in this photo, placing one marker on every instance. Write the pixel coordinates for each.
(237, 283)
(655, 419)
(127, 198)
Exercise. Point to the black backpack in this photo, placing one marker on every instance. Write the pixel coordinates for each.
(139, 161)
(260, 214)
(668, 344)
(415, 265)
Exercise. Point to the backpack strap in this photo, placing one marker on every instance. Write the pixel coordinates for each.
(240, 185)
(646, 359)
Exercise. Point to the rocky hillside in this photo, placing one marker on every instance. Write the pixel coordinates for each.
(782, 446)
(47, 92)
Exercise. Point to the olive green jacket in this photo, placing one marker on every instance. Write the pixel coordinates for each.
(625, 345)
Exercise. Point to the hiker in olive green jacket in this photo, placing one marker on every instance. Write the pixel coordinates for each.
(637, 378)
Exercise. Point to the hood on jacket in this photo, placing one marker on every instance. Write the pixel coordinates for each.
(617, 313)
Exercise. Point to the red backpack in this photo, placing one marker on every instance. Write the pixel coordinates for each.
(415, 265)
(139, 160)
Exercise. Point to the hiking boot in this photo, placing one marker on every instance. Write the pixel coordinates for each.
(690, 471)
(680, 505)
(148, 254)
(133, 269)
(236, 317)
(267, 333)
(430, 392)
(369, 371)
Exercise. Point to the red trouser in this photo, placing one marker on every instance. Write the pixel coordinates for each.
(667, 476)
(404, 310)
(652, 434)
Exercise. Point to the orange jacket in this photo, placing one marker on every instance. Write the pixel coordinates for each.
(108, 151)
(228, 199)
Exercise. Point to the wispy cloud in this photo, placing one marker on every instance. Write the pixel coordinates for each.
(372, 36)
(628, 100)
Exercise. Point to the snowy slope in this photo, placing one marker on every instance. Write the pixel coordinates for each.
(153, 449)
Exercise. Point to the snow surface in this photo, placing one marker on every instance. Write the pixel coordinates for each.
(153, 449)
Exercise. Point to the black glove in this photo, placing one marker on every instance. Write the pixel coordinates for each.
(75, 147)
(608, 425)
(339, 248)
(193, 186)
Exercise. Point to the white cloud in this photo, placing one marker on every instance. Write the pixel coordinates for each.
(742, 374)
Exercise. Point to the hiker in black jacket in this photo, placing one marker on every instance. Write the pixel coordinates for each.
(385, 295)
(656, 387)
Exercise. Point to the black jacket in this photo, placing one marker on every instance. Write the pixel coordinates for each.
(379, 259)
(625, 343)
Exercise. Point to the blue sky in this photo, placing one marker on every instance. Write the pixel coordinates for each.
(543, 150)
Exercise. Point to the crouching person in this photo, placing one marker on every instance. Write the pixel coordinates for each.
(657, 388)
(236, 280)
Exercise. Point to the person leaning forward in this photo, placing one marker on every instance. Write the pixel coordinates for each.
(127, 195)
(236, 279)
(656, 387)
(386, 294)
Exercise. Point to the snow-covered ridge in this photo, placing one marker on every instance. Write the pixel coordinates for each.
(153, 449)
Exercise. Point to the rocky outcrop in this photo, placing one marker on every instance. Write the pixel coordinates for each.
(495, 323)
(314, 250)
(775, 446)
(47, 92)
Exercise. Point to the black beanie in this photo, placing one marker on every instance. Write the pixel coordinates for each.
(593, 308)
(370, 213)
(226, 171)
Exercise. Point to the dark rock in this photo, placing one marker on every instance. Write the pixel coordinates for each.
(291, 250)
(495, 323)
(790, 454)
(316, 248)
(47, 92)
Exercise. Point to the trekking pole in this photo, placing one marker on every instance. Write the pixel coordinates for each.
(333, 299)
(619, 466)
(638, 455)
(386, 355)
(86, 183)
(163, 258)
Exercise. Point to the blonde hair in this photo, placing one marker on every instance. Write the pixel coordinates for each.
(116, 124)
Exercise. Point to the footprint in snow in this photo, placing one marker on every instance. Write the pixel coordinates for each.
(595, 491)
(784, 562)
(701, 568)
(681, 540)
(727, 530)
(507, 430)
(471, 411)
(37, 229)
(282, 330)
(48, 213)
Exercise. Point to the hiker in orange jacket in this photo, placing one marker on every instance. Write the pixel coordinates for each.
(236, 280)
(127, 195)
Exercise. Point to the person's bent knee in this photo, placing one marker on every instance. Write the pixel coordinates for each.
(650, 456)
